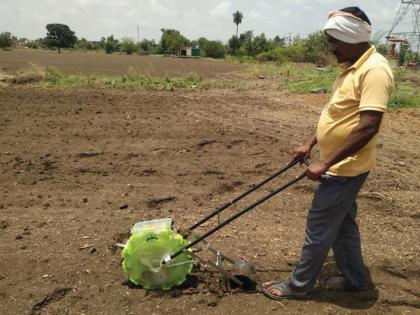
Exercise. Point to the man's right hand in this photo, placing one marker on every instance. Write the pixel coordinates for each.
(302, 151)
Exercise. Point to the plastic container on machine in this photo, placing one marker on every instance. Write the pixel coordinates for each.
(156, 226)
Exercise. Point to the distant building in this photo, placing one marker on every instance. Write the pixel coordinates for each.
(22, 42)
(189, 52)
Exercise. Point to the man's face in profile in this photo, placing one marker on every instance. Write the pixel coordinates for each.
(341, 50)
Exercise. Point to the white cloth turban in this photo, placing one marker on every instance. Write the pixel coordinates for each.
(347, 28)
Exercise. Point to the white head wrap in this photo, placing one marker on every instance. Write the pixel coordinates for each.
(347, 28)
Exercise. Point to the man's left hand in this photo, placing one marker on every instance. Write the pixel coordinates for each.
(315, 170)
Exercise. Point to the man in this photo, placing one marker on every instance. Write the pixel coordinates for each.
(346, 136)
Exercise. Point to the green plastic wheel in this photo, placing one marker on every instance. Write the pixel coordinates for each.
(143, 256)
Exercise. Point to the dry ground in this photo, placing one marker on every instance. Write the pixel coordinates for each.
(102, 64)
(79, 167)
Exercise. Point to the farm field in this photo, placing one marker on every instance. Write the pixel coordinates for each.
(80, 166)
(96, 63)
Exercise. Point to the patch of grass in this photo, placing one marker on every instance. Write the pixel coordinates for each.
(405, 95)
(304, 78)
(297, 77)
(309, 78)
(136, 79)
(406, 92)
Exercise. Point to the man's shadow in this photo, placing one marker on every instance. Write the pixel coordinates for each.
(361, 300)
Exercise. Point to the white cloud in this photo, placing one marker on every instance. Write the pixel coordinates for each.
(93, 19)
(222, 11)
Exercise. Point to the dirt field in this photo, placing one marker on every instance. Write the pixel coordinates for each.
(11, 61)
(79, 167)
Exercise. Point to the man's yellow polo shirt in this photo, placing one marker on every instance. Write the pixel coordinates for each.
(366, 85)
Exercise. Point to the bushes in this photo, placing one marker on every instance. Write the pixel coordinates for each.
(128, 46)
(111, 45)
(7, 40)
(311, 49)
(284, 54)
(214, 49)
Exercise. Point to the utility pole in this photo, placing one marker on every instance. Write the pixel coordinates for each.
(138, 33)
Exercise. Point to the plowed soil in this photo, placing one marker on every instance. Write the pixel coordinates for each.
(102, 64)
(80, 167)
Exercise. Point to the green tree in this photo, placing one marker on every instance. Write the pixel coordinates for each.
(261, 44)
(316, 46)
(202, 42)
(214, 49)
(237, 19)
(128, 46)
(279, 41)
(194, 43)
(60, 36)
(148, 46)
(37, 43)
(84, 44)
(234, 44)
(172, 41)
(7, 40)
(246, 41)
(111, 44)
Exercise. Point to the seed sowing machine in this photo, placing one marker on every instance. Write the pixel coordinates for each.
(157, 256)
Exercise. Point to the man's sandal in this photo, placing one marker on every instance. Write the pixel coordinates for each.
(283, 287)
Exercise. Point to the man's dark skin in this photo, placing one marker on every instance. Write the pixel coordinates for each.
(366, 129)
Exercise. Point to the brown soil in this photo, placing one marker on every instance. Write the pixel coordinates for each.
(79, 167)
(94, 63)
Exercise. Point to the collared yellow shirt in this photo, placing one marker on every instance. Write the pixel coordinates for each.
(366, 85)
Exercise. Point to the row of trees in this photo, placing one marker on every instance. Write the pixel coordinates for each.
(172, 41)
(279, 49)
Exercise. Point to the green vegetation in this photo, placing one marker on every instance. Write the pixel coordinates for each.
(301, 65)
(172, 41)
(51, 77)
(60, 36)
(128, 46)
(305, 78)
(296, 77)
(406, 92)
(7, 40)
(132, 79)
(110, 45)
(213, 49)
(237, 19)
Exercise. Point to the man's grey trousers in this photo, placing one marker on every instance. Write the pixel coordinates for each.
(331, 223)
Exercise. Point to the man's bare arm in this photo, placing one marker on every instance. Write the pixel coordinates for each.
(304, 150)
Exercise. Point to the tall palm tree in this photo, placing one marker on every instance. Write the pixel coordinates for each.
(237, 19)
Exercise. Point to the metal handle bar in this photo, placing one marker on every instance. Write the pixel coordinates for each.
(228, 204)
(235, 216)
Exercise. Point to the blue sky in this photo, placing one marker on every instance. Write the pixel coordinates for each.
(93, 19)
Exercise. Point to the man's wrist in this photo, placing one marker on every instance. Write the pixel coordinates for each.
(327, 163)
